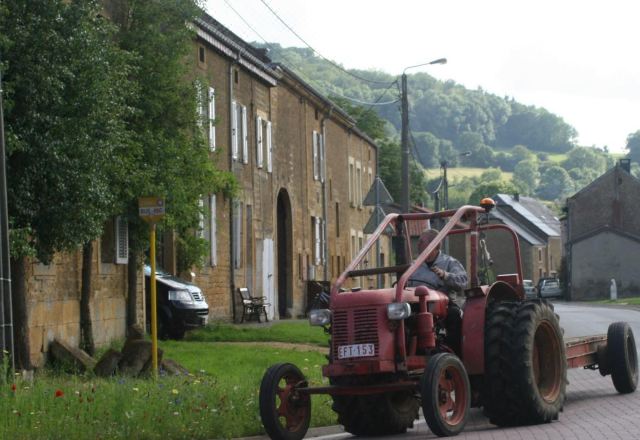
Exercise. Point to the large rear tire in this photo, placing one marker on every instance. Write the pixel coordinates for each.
(378, 414)
(539, 365)
(622, 357)
(498, 369)
(446, 395)
(285, 412)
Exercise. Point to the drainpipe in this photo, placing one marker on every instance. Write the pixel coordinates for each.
(323, 174)
(232, 266)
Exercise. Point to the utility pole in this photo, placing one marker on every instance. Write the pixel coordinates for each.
(6, 308)
(404, 202)
(405, 146)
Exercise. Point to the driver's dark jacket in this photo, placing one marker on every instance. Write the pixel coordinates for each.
(455, 279)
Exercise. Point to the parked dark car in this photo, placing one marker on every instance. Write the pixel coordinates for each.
(181, 305)
(549, 288)
(530, 290)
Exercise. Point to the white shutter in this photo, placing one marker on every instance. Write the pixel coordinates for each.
(315, 155)
(269, 148)
(316, 237)
(213, 230)
(323, 246)
(212, 117)
(322, 155)
(122, 240)
(259, 141)
(234, 130)
(237, 235)
(199, 103)
(245, 136)
(200, 231)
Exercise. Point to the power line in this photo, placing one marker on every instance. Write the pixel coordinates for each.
(300, 71)
(318, 53)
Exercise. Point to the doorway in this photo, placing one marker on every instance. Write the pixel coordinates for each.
(285, 255)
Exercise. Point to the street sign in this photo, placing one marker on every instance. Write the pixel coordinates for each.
(384, 198)
(151, 209)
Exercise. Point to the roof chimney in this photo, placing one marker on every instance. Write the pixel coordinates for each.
(516, 197)
(625, 164)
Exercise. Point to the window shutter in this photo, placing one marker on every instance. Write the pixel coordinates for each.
(245, 136)
(237, 234)
(234, 130)
(316, 236)
(200, 231)
(315, 155)
(212, 117)
(269, 148)
(199, 103)
(259, 141)
(322, 157)
(213, 230)
(122, 240)
(323, 225)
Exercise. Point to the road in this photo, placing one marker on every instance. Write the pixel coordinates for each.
(593, 409)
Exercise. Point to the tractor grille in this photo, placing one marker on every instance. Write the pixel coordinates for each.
(357, 326)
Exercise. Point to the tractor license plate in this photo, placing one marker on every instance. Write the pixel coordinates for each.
(356, 350)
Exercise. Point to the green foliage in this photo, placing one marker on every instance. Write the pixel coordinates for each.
(66, 91)
(293, 332)
(526, 176)
(587, 159)
(490, 189)
(633, 146)
(555, 184)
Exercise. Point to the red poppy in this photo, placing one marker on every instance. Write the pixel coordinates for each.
(13, 387)
(59, 393)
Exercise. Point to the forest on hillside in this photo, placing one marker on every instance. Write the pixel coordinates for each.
(460, 127)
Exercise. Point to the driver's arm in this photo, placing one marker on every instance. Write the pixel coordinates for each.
(455, 276)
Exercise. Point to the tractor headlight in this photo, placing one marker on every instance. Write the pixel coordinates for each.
(396, 311)
(320, 317)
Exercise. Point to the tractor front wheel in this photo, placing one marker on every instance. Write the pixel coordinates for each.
(284, 411)
(622, 357)
(446, 395)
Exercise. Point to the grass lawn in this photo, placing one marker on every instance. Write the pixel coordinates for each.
(218, 399)
(633, 300)
(557, 157)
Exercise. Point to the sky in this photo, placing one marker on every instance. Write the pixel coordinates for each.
(578, 59)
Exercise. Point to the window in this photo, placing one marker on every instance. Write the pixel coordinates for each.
(213, 230)
(358, 185)
(317, 225)
(201, 54)
(201, 105)
(318, 156)
(337, 219)
(239, 132)
(237, 234)
(122, 240)
(264, 144)
(351, 182)
(353, 244)
(200, 233)
(211, 118)
(540, 255)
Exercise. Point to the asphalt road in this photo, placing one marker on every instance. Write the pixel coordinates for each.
(593, 409)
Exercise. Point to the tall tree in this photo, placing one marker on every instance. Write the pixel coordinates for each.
(526, 176)
(555, 184)
(633, 146)
(66, 87)
(173, 160)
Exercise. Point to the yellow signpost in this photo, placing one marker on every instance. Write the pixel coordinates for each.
(151, 210)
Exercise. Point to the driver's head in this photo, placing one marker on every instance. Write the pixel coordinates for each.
(427, 237)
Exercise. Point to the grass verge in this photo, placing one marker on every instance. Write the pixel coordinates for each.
(219, 399)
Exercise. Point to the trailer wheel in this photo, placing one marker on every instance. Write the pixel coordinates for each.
(622, 358)
(285, 412)
(497, 364)
(446, 395)
(375, 415)
(539, 364)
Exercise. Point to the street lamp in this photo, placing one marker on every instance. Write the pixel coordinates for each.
(405, 133)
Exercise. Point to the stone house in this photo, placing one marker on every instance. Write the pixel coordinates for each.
(603, 235)
(539, 235)
(298, 219)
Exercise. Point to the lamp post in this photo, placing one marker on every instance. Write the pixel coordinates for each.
(405, 133)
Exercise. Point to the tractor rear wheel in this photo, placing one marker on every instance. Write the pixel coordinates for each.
(378, 414)
(498, 330)
(446, 395)
(622, 358)
(539, 365)
(285, 412)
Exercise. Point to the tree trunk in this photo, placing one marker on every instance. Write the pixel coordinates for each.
(132, 287)
(86, 327)
(20, 316)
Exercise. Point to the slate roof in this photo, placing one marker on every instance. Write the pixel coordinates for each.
(534, 212)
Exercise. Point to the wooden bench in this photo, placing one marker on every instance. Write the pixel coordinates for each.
(253, 306)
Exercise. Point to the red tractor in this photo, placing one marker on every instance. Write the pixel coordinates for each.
(390, 352)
